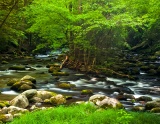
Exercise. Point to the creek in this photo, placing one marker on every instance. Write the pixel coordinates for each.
(146, 85)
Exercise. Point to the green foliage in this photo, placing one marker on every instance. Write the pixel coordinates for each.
(85, 114)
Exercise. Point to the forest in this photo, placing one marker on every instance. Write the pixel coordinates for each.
(105, 46)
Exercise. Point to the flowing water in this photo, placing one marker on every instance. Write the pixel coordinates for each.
(147, 85)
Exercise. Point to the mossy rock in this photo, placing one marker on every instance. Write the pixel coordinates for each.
(16, 67)
(24, 87)
(4, 62)
(60, 74)
(152, 57)
(12, 81)
(58, 99)
(155, 110)
(65, 85)
(152, 72)
(158, 70)
(53, 69)
(157, 53)
(144, 68)
(30, 78)
(152, 104)
(4, 104)
(135, 71)
(152, 66)
(54, 65)
(138, 108)
(144, 98)
(86, 92)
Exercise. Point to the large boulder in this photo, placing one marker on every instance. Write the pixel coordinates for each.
(105, 101)
(58, 99)
(20, 101)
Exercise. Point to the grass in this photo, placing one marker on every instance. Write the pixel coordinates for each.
(85, 114)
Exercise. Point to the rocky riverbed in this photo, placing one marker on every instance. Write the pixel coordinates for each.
(43, 74)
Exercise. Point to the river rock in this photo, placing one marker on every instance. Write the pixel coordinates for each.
(6, 117)
(12, 81)
(144, 98)
(20, 101)
(30, 78)
(152, 104)
(66, 85)
(155, 110)
(58, 99)
(45, 94)
(15, 110)
(105, 101)
(86, 92)
(60, 74)
(30, 93)
(23, 85)
(17, 67)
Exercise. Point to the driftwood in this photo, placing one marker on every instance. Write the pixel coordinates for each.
(64, 61)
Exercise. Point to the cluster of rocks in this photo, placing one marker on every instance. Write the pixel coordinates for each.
(25, 83)
(29, 100)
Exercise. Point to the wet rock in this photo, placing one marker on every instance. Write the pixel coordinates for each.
(144, 98)
(152, 72)
(45, 94)
(152, 104)
(124, 90)
(17, 67)
(86, 92)
(30, 78)
(23, 85)
(20, 101)
(105, 101)
(4, 62)
(66, 85)
(6, 118)
(144, 68)
(60, 74)
(53, 69)
(58, 99)
(125, 96)
(12, 81)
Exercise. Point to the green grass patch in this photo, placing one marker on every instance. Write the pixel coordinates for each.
(85, 114)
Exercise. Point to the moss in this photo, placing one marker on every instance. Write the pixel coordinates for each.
(86, 92)
(152, 72)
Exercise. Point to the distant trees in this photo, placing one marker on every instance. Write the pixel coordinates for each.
(92, 29)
